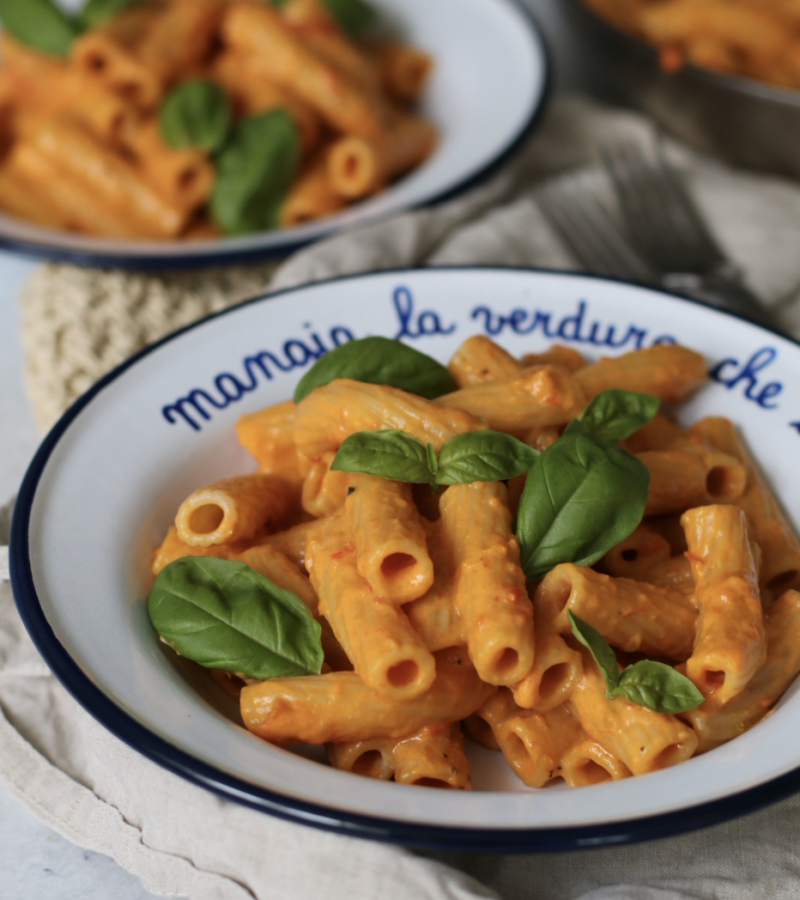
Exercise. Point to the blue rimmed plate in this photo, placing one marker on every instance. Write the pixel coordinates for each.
(488, 88)
(108, 479)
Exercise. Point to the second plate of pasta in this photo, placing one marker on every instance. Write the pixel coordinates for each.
(273, 126)
(658, 451)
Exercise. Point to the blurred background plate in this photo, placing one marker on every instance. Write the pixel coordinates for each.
(746, 122)
(481, 111)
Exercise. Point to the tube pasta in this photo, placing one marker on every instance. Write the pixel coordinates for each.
(324, 489)
(590, 763)
(668, 371)
(641, 739)
(490, 592)
(358, 166)
(339, 706)
(780, 547)
(258, 29)
(556, 670)
(730, 645)
(334, 411)
(312, 196)
(268, 435)
(234, 509)
(390, 542)
(403, 70)
(532, 742)
(479, 360)
(631, 615)
(714, 724)
(515, 403)
(425, 613)
(556, 355)
(431, 757)
(435, 616)
(385, 650)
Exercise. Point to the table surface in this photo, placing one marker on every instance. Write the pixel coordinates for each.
(35, 862)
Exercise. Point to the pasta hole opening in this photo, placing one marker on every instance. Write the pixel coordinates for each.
(507, 661)
(589, 772)
(783, 581)
(427, 781)
(480, 731)
(187, 179)
(403, 673)
(370, 763)
(630, 555)
(130, 90)
(116, 125)
(396, 563)
(206, 518)
(96, 62)
(713, 679)
(670, 755)
(553, 680)
(350, 166)
(722, 483)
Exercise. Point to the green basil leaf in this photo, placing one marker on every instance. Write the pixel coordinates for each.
(598, 646)
(658, 687)
(354, 16)
(196, 113)
(255, 170)
(483, 456)
(388, 454)
(379, 360)
(223, 615)
(615, 414)
(582, 496)
(40, 24)
(95, 12)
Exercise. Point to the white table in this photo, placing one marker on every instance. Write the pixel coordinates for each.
(34, 861)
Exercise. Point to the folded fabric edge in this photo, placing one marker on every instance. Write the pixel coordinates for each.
(80, 816)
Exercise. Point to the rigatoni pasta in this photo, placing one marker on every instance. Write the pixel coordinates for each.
(149, 112)
(432, 625)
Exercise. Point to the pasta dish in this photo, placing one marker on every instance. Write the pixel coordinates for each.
(527, 552)
(196, 119)
(756, 38)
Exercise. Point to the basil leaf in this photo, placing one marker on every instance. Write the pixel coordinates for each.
(598, 646)
(615, 414)
(648, 683)
(40, 24)
(582, 496)
(658, 687)
(254, 172)
(379, 360)
(196, 113)
(354, 16)
(222, 614)
(483, 456)
(95, 12)
(388, 454)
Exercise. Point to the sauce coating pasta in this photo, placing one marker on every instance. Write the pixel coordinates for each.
(430, 623)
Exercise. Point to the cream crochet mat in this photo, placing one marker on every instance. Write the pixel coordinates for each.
(183, 841)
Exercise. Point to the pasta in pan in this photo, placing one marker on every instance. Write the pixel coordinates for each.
(182, 119)
(425, 601)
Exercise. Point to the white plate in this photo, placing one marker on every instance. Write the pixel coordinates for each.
(489, 85)
(107, 481)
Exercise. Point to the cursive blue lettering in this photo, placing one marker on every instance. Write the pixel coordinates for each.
(573, 327)
(731, 373)
(426, 323)
(197, 406)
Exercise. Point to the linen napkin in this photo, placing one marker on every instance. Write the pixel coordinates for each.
(183, 841)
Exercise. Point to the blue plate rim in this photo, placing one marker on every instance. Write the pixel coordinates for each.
(431, 837)
(145, 261)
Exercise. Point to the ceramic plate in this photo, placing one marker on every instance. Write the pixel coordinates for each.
(488, 87)
(108, 479)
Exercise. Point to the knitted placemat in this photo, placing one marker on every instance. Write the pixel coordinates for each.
(79, 323)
